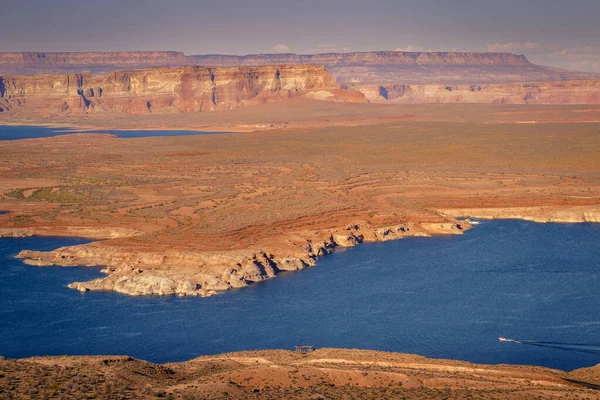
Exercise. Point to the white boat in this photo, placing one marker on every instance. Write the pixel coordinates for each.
(503, 339)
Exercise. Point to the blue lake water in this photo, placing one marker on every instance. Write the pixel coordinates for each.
(448, 297)
(29, 132)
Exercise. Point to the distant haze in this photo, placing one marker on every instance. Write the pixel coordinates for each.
(559, 33)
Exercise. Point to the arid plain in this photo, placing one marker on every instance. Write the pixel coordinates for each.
(196, 215)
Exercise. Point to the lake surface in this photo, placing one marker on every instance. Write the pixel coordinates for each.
(29, 132)
(448, 297)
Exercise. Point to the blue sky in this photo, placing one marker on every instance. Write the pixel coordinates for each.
(551, 32)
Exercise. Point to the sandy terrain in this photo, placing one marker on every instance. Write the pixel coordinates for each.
(275, 374)
(197, 215)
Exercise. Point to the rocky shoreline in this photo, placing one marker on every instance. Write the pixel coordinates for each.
(206, 274)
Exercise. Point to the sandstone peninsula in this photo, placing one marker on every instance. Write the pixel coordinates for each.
(276, 374)
(166, 90)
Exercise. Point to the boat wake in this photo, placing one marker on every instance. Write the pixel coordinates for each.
(589, 348)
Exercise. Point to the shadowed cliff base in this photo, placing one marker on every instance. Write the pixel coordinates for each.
(274, 374)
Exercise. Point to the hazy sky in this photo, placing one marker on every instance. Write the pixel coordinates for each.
(563, 33)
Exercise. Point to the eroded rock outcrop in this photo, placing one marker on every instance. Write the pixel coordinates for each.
(165, 90)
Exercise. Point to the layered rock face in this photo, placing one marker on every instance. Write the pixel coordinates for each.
(90, 62)
(166, 90)
(195, 89)
(557, 92)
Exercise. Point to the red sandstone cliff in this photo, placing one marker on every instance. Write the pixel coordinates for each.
(192, 89)
(166, 90)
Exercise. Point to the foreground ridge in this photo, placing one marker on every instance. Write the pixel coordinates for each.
(271, 374)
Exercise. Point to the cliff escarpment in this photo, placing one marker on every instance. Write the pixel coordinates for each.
(198, 89)
(164, 90)
(410, 67)
(367, 58)
(357, 67)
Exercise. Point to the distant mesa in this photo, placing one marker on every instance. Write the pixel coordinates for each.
(58, 84)
(358, 67)
(394, 66)
(32, 63)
